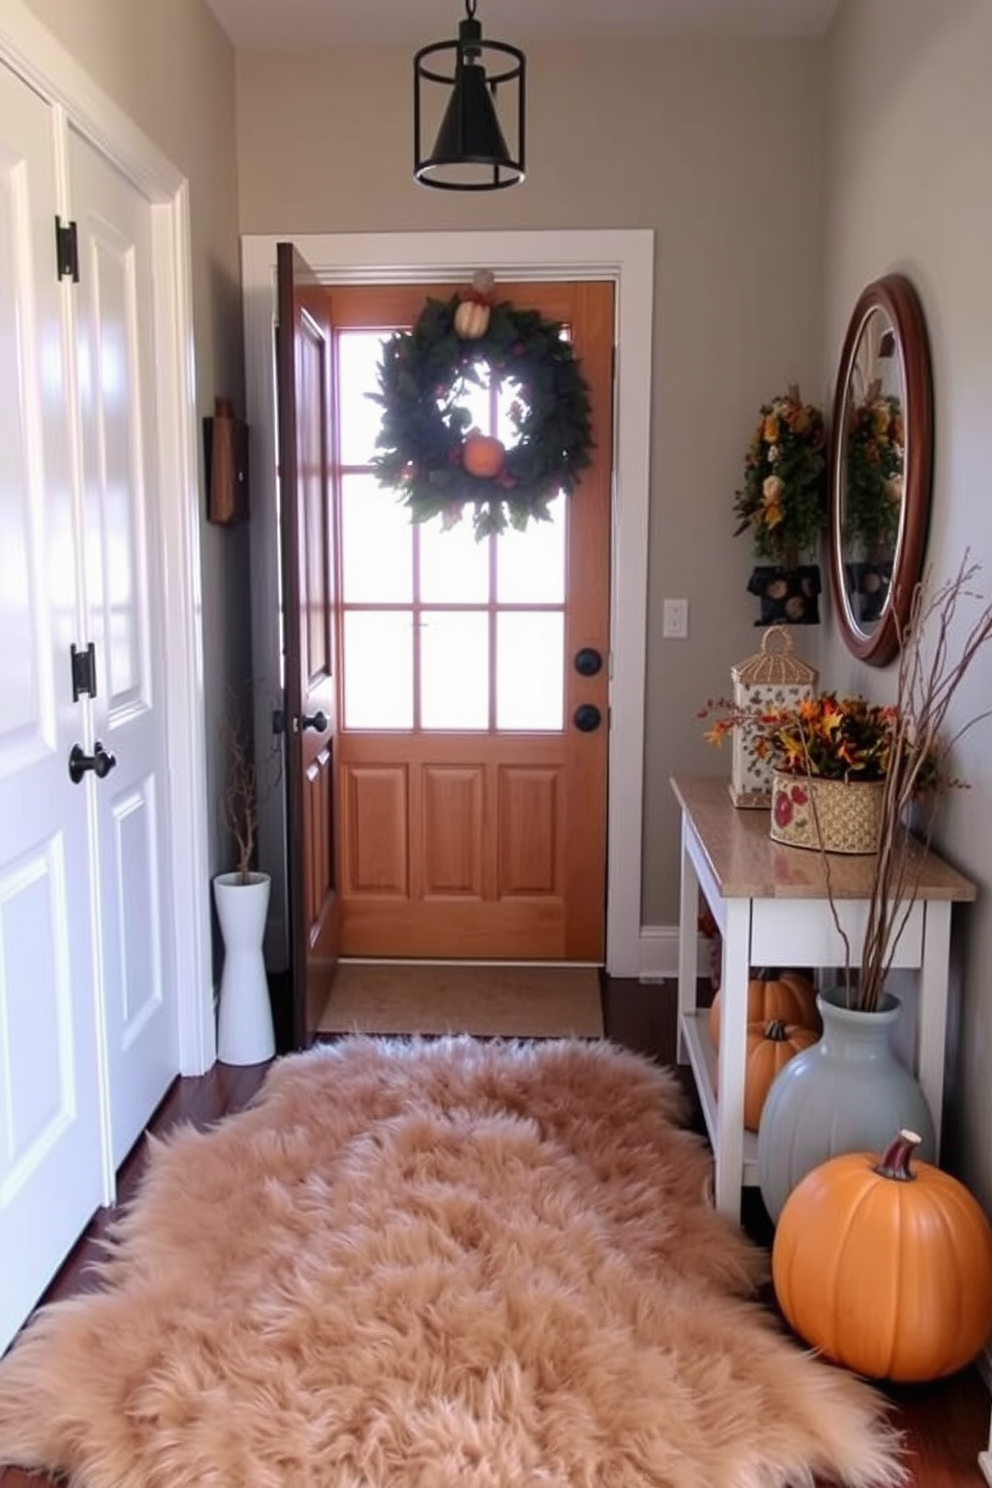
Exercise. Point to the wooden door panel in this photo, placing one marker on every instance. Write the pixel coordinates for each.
(529, 844)
(304, 395)
(315, 633)
(469, 930)
(489, 842)
(451, 830)
(477, 861)
(319, 793)
(375, 813)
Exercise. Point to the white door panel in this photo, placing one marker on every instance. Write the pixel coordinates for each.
(116, 370)
(52, 1174)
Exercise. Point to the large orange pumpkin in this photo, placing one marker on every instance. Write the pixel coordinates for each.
(886, 1267)
(769, 1048)
(771, 994)
(482, 455)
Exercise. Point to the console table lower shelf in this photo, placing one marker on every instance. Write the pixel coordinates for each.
(702, 1060)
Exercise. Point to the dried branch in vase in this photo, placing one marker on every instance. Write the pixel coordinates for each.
(243, 790)
(926, 684)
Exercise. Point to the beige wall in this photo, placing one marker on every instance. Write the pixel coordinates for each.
(909, 142)
(171, 69)
(718, 148)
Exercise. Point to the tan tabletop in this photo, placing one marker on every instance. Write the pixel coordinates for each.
(747, 864)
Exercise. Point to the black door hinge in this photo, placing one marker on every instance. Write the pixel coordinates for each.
(67, 250)
(83, 671)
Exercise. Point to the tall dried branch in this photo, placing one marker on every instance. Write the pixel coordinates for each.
(239, 796)
(927, 682)
(244, 788)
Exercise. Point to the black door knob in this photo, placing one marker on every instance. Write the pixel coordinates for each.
(101, 762)
(316, 721)
(587, 717)
(588, 661)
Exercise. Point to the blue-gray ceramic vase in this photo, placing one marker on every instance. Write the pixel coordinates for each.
(846, 1093)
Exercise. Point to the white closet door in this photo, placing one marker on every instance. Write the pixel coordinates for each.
(117, 380)
(51, 1174)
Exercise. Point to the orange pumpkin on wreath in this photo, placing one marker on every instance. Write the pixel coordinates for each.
(482, 455)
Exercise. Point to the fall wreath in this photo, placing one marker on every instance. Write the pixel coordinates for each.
(427, 450)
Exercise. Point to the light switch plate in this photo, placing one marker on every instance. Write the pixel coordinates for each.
(675, 619)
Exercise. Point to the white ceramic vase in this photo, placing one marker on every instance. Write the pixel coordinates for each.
(244, 1027)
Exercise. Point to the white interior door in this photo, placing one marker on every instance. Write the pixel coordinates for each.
(117, 375)
(51, 1173)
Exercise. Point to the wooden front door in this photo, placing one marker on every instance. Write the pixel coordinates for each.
(471, 805)
(304, 371)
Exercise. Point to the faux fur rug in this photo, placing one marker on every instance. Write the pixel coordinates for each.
(435, 1265)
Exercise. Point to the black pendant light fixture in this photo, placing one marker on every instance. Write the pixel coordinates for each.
(463, 90)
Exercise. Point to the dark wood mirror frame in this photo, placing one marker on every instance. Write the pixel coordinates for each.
(895, 296)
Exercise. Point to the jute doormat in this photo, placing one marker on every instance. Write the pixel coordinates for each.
(498, 1001)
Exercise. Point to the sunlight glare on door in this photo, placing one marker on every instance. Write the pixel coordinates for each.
(378, 680)
(529, 690)
(359, 416)
(376, 543)
(454, 669)
(530, 565)
(454, 568)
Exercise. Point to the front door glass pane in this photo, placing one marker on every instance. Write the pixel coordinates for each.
(454, 568)
(530, 675)
(378, 669)
(359, 353)
(530, 565)
(376, 544)
(454, 675)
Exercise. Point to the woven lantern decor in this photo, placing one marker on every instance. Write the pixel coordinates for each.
(773, 678)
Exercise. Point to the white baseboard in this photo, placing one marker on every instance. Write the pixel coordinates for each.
(660, 954)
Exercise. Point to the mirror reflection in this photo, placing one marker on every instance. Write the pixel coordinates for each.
(871, 484)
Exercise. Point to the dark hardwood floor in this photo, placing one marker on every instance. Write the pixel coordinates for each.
(945, 1424)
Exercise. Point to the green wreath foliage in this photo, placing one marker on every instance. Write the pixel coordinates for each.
(422, 375)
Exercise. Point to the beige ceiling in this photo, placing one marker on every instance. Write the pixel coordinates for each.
(293, 23)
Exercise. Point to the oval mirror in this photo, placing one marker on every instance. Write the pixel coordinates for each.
(881, 456)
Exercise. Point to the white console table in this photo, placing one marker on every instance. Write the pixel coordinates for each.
(771, 904)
